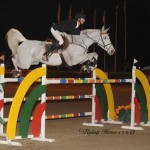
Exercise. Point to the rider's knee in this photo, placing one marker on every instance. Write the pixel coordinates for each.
(61, 42)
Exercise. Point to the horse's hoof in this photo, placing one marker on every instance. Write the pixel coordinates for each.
(94, 62)
(83, 68)
(89, 70)
(16, 74)
(12, 72)
(92, 68)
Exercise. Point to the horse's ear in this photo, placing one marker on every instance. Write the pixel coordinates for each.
(103, 28)
(107, 29)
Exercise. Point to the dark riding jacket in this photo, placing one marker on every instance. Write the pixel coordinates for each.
(68, 26)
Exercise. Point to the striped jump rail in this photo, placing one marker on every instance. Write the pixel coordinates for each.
(61, 116)
(86, 81)
(70, 115)
(72, 80)
(6, 80)
(64, 97)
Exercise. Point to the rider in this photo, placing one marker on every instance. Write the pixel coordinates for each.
(69, 26)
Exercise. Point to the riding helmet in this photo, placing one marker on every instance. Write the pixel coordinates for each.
(80, 15)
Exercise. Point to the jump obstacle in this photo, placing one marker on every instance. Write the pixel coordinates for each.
(102, 111)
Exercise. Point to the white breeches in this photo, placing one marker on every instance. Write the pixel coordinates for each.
(57, 36)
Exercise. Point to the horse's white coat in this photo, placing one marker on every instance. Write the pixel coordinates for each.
(30, 52)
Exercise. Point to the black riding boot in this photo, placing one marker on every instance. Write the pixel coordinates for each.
(54, 47)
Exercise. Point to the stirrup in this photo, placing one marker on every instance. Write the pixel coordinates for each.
(46, 53)
(46, 56)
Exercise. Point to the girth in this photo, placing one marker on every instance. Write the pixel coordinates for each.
(63, 60)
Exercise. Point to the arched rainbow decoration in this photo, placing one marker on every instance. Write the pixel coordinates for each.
(101, 75)
(17, 101)
(142, 78)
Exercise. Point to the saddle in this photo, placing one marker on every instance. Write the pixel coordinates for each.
(53, 42)
(49, 43)
(53, 47)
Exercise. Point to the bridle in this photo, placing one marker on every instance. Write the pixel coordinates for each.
(104, 46)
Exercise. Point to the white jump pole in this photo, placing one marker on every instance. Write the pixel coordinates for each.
(132, 123)
(2, 97)
(93, 121)
(43, 100)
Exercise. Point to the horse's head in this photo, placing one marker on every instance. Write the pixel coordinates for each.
(104, 41)
(101, 37)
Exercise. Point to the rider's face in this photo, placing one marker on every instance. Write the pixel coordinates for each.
(82, 20)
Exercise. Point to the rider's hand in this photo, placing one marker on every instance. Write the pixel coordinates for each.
(82, 32)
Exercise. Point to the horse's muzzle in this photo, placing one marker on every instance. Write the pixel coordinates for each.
(111, 52)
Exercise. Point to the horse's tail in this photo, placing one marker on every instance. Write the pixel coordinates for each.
(13, 38)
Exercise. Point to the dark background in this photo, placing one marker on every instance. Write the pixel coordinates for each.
(34, 18)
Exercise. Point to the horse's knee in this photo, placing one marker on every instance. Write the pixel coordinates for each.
(95, 55)
(94, 62)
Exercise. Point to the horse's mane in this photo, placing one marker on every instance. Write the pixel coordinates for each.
(92, 30)
(88, 31)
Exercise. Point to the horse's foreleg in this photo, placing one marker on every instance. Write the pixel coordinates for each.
(87, 66)
(89, 62)
(94, 60)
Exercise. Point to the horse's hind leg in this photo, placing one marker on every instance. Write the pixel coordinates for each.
(15, 63)
(16, 72)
